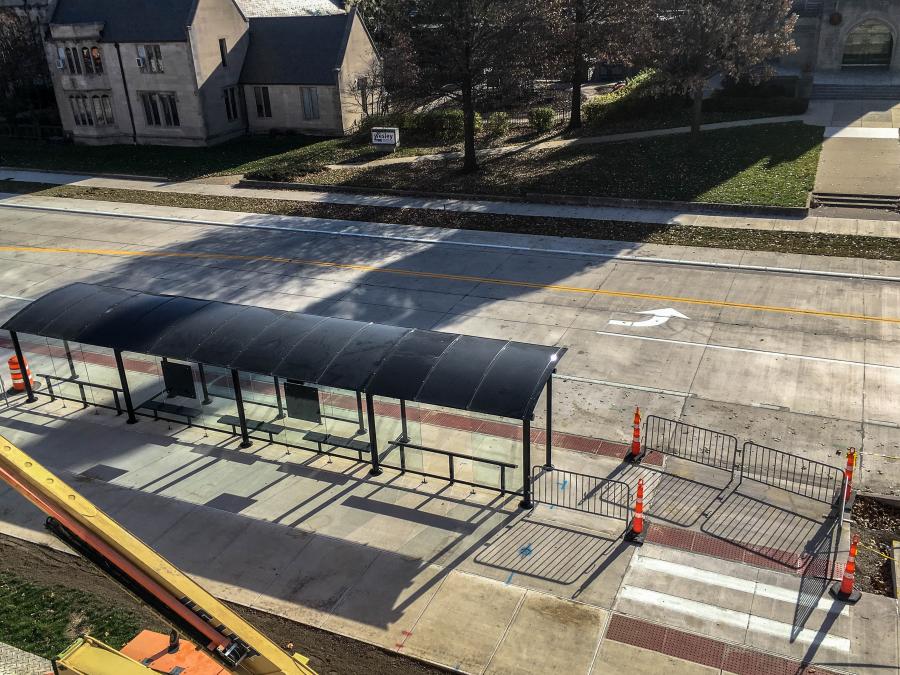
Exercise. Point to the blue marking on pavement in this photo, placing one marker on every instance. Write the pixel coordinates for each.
(509, 578)
(562, 486)
(525, 551)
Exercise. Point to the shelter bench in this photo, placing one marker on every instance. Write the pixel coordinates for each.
(252, 425)
(170, 409)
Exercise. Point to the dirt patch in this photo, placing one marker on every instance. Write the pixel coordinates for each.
(877, 525)
(329, 654)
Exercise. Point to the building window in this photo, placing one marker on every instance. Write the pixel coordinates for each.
(871, 44)
(150, 59)
(102, 109)
(81, 111)
(223, 52)
(98, 62)
(263, 105)
(89, 111)
(231, 104)
(310, 103)
(73, 61)
(160, 110)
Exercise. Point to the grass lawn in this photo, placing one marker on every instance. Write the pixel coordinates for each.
(771, 164)
(44, 620)
(235, 157)
(804, 243)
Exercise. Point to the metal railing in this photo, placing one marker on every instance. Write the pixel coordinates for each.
(689, 442)
(792, 473)
(451, 465)
(581, 492)
(82, 399)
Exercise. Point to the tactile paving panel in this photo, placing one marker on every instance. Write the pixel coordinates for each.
(703, 650)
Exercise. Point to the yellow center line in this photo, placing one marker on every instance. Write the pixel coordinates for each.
(455, 277)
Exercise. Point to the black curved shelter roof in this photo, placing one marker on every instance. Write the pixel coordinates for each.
(494, 377)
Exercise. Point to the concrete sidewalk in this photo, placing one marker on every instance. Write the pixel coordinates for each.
(464, 580)
(823, 225)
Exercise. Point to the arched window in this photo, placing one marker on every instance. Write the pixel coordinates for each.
(870, 44)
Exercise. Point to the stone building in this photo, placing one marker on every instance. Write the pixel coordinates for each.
(199, 72)
(849, 47)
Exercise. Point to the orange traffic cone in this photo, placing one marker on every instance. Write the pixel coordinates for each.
(636, 454)
(850, 496)
(636, 534)
(843, 590)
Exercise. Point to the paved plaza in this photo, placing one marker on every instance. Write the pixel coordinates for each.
(793, 352)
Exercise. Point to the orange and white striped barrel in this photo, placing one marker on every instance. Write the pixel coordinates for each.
(15, 371)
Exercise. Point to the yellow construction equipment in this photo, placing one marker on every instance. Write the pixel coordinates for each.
(216, 631)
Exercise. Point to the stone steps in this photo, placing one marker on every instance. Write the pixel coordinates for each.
(878, 202)
(855, 92)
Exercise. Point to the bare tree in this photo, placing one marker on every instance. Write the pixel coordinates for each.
(23, 66)
(462, 44)
(690, 41)
(585, 31)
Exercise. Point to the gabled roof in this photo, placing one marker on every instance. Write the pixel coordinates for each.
(256, 8)
(296, 49)
(130, 20)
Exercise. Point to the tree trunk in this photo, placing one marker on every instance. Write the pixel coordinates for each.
(697, 120)
(470, 163)
(577, 64)
(577, 77)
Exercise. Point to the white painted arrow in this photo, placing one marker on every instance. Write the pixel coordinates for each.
(657, 318)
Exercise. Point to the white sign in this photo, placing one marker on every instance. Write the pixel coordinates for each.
(386, 136)
(657, 318)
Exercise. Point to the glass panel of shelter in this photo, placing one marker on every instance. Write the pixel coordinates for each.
(395, 435)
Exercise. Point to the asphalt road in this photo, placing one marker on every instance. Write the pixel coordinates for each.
(802, 362)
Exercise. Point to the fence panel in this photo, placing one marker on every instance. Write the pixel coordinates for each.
(792, 473)
(580, 492)
(689, 442)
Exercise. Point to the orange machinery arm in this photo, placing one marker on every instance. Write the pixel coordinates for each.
(181, 601)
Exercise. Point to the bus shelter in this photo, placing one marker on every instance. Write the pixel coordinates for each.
(438, 404)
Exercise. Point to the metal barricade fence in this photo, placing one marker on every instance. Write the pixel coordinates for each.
(689, 442)
(792, 473)
(581, 492)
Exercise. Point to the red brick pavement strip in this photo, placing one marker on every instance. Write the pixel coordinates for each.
(749, 554)
(703, 650)
(447, 420)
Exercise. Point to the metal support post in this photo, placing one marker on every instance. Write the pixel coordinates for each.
(404, 437)
(126, 393)
(359, 412)
(548, 465)
(239, 400)
(373, 439)
(526, 465)
(278, 398)
(72, 371)
(206, 399)
(29, 392)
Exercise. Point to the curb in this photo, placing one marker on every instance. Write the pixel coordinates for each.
(697, 208)
(121, 176)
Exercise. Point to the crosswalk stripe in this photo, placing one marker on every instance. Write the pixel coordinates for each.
(729, 617)
(732, 583)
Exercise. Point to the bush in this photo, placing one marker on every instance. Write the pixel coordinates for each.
(498, 124)
(635, 100)
(541, 119)
(775, 105)
(441, 127)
